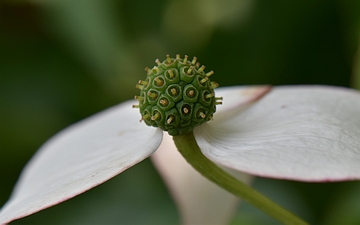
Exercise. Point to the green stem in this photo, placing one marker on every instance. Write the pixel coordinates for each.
(188, 147)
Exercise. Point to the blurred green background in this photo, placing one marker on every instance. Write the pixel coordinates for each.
(64, 60)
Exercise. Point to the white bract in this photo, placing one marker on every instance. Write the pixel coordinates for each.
(199, 201)
(306, 133)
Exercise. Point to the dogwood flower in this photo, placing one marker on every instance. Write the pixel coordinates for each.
(305, 133)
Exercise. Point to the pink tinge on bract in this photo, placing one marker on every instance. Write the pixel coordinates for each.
(237, 98)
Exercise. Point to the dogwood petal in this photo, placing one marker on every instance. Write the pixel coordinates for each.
(81, 157)
(199, 200)
(306, 133)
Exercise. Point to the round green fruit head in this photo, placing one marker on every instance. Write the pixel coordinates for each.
(177, 95)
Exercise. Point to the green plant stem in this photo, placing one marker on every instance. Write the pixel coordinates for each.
(188, 147)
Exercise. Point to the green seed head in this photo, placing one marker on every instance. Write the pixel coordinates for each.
(177, 95)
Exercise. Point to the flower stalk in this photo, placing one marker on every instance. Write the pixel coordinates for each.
(188, 147)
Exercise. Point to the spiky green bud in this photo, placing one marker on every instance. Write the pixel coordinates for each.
(177, 95)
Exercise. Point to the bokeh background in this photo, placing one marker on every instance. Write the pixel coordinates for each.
(64, 60)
